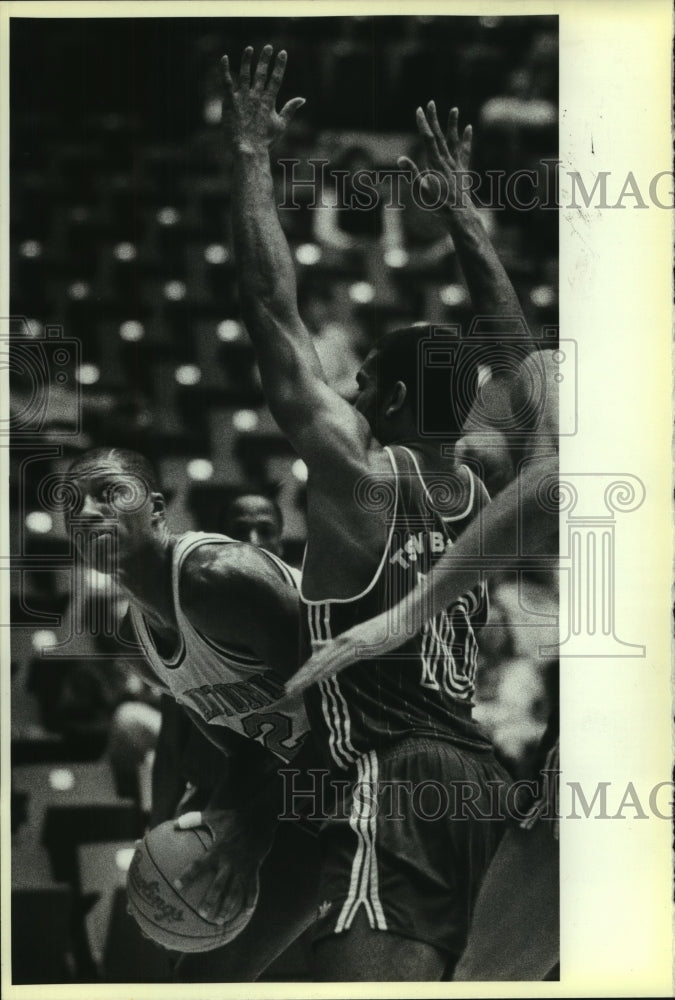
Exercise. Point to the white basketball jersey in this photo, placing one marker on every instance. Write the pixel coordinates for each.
(225, 685)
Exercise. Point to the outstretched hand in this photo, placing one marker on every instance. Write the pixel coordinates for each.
(234, 861)
(448, 156)
(250, 119)
(370, 639)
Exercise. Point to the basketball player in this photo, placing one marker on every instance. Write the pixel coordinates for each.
(515, 932)
(256, 519)
(216, 622)
(396, 892)
(184, 753)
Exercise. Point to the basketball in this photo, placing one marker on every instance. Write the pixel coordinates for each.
(167, 915)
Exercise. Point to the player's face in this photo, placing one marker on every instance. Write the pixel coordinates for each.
(253, 519)
(366, 399)
(110, 499)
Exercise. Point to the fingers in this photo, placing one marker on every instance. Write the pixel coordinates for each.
(290, 107)
(222, 901)
(423, 126)
(310, 673)
(299, 681)
(432, 118)
(460, 148)
(435, 156)
(417, 177)
(405, 163)
(191, 874)
(465, 145)
(226, 76)
(278, 71)
(188, 821)
(260, 78)
(245, 68)
(223, 898)
(323, 664)
(451, 131)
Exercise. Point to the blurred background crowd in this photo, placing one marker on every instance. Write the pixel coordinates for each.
(126, 333)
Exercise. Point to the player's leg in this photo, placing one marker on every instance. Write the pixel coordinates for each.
(286, 907)
(515, 932)
(362, 954)
(399, 869)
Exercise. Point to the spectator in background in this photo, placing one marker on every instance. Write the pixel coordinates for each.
(255, 518)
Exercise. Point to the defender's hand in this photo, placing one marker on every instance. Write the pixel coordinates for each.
(234, 861)
(250, 120)
(366, 641)
(448, 155)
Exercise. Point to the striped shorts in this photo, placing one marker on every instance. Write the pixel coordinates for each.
(410, 840)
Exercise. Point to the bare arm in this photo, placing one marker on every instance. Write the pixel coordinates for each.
(519, 524)
(491, 290)
(232, 594)
(307, 410)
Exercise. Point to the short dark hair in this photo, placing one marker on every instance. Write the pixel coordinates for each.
(440, 407)
(241, 493)
(130, 461)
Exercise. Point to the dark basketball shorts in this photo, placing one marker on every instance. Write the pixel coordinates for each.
(409, 841)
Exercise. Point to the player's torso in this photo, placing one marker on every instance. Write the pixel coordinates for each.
(224, 685)
(426, 687)
(346, 529)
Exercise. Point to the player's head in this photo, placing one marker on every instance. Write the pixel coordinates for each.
(120, 487)
(395, 390)
(254, 518)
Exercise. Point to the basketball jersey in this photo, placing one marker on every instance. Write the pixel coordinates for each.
(426, 686)
(219, 684)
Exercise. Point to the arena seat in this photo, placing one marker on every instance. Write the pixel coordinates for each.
(118, 950)
(73, 804)
(42, 914)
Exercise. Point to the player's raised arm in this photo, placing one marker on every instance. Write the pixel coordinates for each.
(305, 408)
(448, 154)
(520, 520)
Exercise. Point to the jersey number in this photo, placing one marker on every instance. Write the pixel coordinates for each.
(274, 731)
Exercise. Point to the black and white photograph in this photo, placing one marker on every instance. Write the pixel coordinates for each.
(327, 552)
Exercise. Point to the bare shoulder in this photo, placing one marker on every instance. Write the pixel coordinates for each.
(218, 569)
(227, 589)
